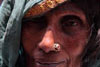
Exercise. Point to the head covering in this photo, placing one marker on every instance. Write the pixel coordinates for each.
(12, 12)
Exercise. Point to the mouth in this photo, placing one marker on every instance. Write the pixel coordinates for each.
(49, 64)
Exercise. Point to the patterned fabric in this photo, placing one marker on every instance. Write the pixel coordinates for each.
(44, 6)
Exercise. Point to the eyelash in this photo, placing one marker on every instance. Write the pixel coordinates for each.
(70, 21)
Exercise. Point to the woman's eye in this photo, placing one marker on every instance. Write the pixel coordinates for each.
(71, 23)
(38, 22)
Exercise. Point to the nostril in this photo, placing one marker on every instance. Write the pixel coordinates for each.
(55, 48)
(45, 48)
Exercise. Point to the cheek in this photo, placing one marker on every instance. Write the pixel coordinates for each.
(27, 42)
(30, 38)
(75, 45)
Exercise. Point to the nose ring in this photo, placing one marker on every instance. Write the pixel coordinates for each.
(56, 47)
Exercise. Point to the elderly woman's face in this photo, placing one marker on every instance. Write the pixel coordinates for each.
(56, 39)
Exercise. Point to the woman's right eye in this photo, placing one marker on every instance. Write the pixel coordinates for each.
(38, 22)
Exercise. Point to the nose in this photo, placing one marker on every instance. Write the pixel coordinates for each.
(47, 43)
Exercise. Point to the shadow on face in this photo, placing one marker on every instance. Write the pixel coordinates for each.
(57, 38)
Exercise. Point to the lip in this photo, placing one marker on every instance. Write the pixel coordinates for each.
(53, 64)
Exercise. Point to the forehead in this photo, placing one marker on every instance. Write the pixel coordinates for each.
(66, 7)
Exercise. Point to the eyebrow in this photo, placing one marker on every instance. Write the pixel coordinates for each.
(66, 17)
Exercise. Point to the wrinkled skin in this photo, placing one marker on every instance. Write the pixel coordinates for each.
(66, 25)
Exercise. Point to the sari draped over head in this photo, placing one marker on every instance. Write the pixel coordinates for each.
(11, 14)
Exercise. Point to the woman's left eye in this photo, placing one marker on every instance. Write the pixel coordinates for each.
(71, 22)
